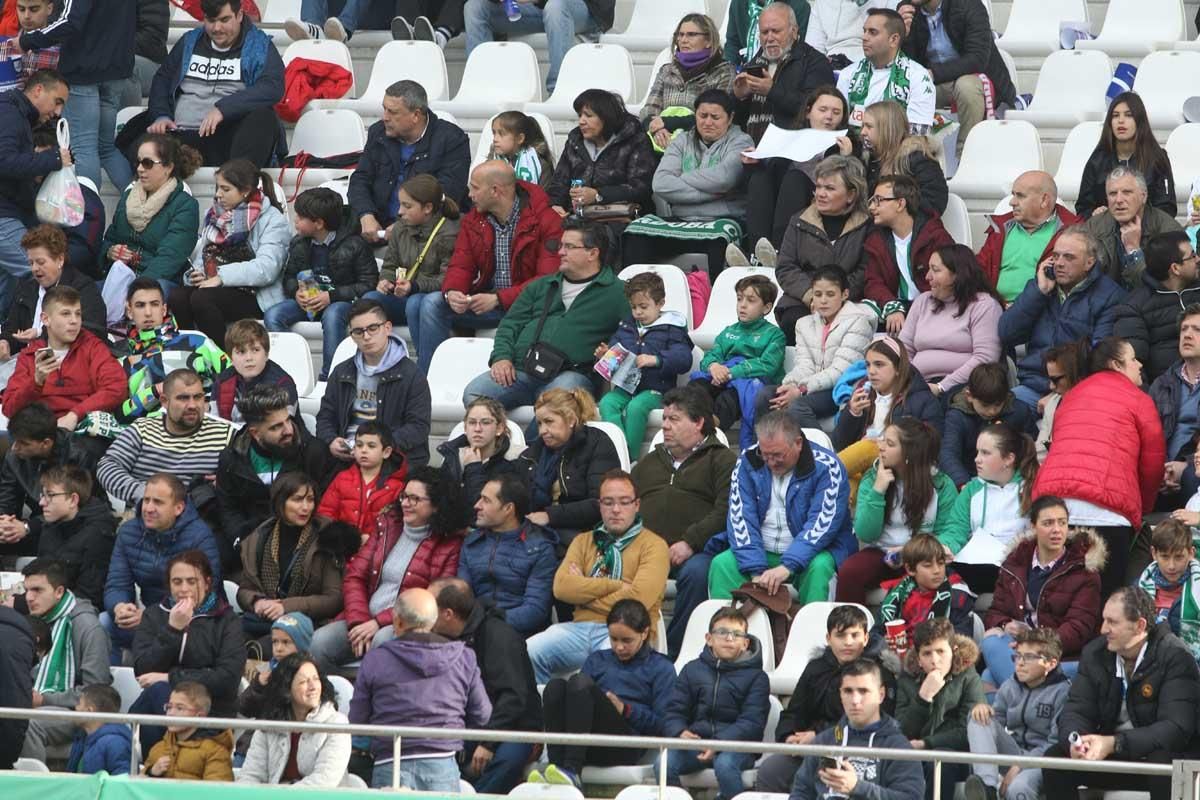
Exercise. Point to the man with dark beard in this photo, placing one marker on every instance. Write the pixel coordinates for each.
(272, 442)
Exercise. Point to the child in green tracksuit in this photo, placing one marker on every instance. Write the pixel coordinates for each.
(745, 357)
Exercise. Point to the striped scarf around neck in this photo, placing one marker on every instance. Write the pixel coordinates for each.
(56, 672)
(609, 549)
(271, 569)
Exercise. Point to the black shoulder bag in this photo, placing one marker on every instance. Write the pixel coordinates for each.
(543, 361)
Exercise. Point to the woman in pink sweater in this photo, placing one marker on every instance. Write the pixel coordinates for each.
(954, 326)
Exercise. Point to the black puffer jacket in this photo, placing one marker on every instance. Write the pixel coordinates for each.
(210, 652)
(16, 681)
(1160, 182)
(1161, 699)
(927, 172)
(352, 267)
(917, 402)
(85, 545)
(1149, 320)
(506, 670)
(585, 458)
(621, 173)
(472, 477)
(816, 703)
(806, 248)
(153, 20)
(25, 299)
(970, 31)
(21, 480)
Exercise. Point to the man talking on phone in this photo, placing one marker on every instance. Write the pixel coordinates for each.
(863, 724)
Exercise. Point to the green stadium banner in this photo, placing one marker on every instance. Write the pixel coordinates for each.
(58, 786)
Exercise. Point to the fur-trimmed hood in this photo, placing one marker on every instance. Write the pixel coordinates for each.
(965, 651)
(1083, 544)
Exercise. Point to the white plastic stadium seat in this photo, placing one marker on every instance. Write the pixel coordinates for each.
(499, 76)
(617, 436)
(344, 690)
(622, 775)
(653, 22)
(328, 132)
(290, 351)
(1135, 27)
(126, 114)
(546, 791)
(651, 792)
(32, 765)
(806, 636)
(455, 363)
(760, 796)
(231, 590)
(1077, 149)
(720, 434)
(1183, 148)
(125, 682)
(311, 402)
(996, 152)
(516, 438)
(1071, 88)
(1033, 25)
(588, 66)
(465, 787)
(484, 148)
(707, 778)
(819, 437)
(679, 296)
(422, 62)
(693, 637)
(1162, 88)
(722, 304)
(956, 222)
(322, 50)
(662, 58)
(278, 12)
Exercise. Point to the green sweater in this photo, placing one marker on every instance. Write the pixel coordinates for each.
(167, 242)
(870, 525)
(761, 343)
(591, 319)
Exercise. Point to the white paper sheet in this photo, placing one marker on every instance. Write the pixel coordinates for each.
(983, 548)
(799, 145)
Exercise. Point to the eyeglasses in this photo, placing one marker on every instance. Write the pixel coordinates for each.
(1054, 379)
(1192, 257)
(690, 34)
(51, 495)
(613, 502)
(1028, 658)
(877, 199)
(149, 163)
(728, 635)
(369, 330)
(568, 246)
(487, 422)
(412, 498)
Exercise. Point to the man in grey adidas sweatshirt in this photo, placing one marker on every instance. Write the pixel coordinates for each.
(1022, 719)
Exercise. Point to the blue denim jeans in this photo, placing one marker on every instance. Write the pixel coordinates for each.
(728, 766)
(14, 265)
(317, 11)
(505, 770)
(421, 774)
(91, 111)
(691, 589)
(1027, 395)
(430, 321)
(119, 638)
(334, 321)
(564, 647)
(523, 392)
(998, 658)
(561, 20)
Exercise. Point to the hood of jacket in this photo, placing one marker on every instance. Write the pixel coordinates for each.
(965, 654)
(810, 221)
(504, 449)
(426, 654)
(190, 516)
(197, 739)
(961, 403)
(396, 352)
(884, 734)
(751, 659)
(112, 730)
(1083, 545)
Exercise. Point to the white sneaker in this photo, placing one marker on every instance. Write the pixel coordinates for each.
(401, 30)
(334, 29)
(734, 256)
(298, 30)
(766, 254)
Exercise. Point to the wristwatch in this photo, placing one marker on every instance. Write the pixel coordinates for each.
(1118, 743)
(599, 198)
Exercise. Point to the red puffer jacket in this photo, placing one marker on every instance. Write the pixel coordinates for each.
(1070, 599)
(90, 379)
(1107, 447)
(350, 500)
(473, 263)
(436, 557)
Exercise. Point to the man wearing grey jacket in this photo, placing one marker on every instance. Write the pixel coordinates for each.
(1022, 719)
(77, 656)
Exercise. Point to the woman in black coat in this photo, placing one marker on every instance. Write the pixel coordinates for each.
(480, 454)
(566, 465)
(1127, 140)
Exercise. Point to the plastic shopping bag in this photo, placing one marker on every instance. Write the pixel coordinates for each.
(60, 200)
(116, 285)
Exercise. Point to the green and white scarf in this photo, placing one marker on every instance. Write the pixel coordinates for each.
(609, 549)
(1189, 602)
(56, 672)
(697, 230)
(897, 88)
(753, 10)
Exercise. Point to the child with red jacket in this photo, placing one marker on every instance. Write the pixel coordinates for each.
(359, 493)
(67, 368)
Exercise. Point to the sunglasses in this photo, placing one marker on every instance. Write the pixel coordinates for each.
(148, 163)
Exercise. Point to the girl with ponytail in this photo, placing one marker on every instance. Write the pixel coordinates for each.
(237, 266)
(990, 512)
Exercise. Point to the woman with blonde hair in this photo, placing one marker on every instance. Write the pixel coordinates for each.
(888, 149)
(565, 465)
(697, 64)
(484, 451)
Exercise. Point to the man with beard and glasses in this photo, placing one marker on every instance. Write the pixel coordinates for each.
(182, 441)
(272, 442)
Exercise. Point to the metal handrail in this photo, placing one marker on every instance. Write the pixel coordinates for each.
(662, 744)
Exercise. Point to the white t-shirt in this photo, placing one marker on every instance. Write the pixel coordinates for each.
(883, 405)
(902, 248)
(572, 289)
(921, 99)
(776, 536)
(37, 311)
(1081, 512)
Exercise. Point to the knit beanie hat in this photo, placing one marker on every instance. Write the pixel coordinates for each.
(298, 626)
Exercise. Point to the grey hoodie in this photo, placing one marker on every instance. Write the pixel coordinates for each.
(91, 655)
(1031, 715)
(877, 779)
(366, 400)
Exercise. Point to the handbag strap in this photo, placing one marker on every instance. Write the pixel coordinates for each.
(537, 334)
(417, 264)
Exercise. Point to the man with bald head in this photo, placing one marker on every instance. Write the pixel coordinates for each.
(501, 246)
(1019, 240)
(419, 679)
(1129, 222)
